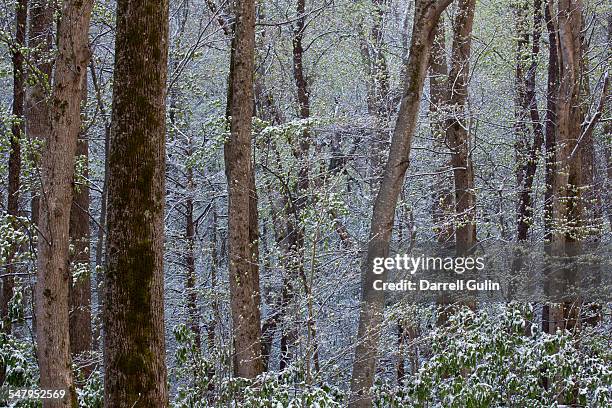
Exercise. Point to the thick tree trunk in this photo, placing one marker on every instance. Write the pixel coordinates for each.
(14, 163)
(134, 345)
(427, 13)
(38, 121)
(242, 217)
(80, 288)
(52, 287)
(567, 208)
(458, 129)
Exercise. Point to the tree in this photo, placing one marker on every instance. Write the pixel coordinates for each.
(53, 280)
(458, 129)
(427, 13)
(527, 112)
(40, 33)
(80, 286)
(17, 132)
(242, 206)
(134, 345)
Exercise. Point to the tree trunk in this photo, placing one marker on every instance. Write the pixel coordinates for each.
(14, 162)
(38, 121)
(443, 202)
(52, 287)
(134, 344)
(567, 207)
(101, 232)
(458, 129)
(551, 121)
(379, 103)
(80, 288)
(191, 281)
(427, 13)
(242, 217)
(527, 112)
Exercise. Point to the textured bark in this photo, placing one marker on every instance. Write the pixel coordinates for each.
(52, 286)
(38, 121)
(80, 290)
(427, 13)
(458, 127)
(134, 345)
(243, 271)
(14, 162)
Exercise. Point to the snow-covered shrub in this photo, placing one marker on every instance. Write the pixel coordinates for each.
(489, 359)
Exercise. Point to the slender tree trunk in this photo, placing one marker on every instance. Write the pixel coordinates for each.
(242, 217)
(550, 142)
(80, 288)
(134, 345)
(427, 13)
(443, 202)
(379, 103)
(191, 281)
(527, 112)
(38, 121)
(101, 231)
(14, 163)
(458, 129)
(52, 287)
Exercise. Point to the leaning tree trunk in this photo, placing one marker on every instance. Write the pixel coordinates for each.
(134, 345)
(242, 210)
(14, 163)
(458, 129)
(427, 13)
(52, 286)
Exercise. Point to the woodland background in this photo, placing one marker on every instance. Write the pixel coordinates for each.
(192, 193)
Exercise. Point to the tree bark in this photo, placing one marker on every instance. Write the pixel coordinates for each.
(52, 287)
(14, 162)
(134, 344)
(458, 129)
(427, 13)
(242, 210)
